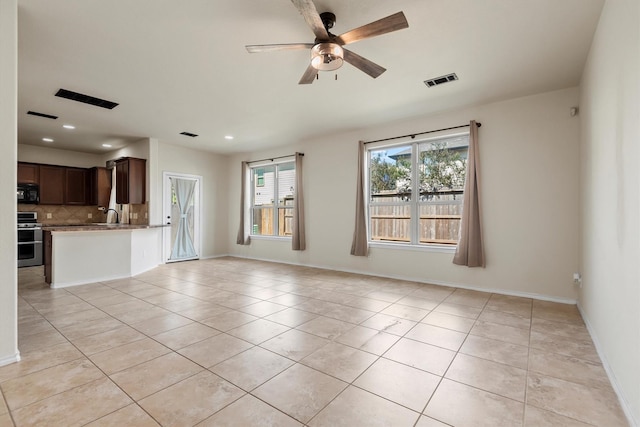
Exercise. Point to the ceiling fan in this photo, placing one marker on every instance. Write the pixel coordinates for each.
(327, 52)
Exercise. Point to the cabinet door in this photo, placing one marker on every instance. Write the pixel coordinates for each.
(131, 175)
(28, 173)
(75, 190)
(52, 185)
(99, 186)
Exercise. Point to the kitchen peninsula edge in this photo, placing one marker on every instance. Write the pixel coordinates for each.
(77, 254)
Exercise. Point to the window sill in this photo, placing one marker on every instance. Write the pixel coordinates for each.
(449, 249)
(277, 238)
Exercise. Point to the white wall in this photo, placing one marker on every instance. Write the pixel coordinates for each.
(214, 171)
(610, 99)
(54, 156)
(8, 145)
(529, 155)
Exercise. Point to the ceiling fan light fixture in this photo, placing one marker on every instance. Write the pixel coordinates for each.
(327, 56)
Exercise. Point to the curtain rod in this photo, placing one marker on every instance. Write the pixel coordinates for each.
(413, 135)
(274, 158)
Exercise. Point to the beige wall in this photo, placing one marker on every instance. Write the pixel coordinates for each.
(54, 156)
(8, 141)
(529, 155)
(610, 117)
(214, 172)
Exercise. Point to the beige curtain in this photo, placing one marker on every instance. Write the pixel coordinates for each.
(470, 251)
(298, 241)
(243, 231)
(360, 247)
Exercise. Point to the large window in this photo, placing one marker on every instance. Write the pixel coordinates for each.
(272, 199)
(415, 191)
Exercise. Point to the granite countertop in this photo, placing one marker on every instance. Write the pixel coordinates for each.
(98, 227)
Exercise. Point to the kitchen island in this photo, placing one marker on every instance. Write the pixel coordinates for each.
(88, 253)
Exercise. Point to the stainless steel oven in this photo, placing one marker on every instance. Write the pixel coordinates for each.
(29, 240)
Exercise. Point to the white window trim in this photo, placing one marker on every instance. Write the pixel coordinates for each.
(415, 207)
(276, 205)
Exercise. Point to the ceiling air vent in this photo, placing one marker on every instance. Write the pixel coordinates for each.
(192, 135)
(440, 80)
(86, 99)
(46, 116)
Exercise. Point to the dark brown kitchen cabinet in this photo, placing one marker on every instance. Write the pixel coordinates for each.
(98, 186)
(48, 247)
(52, 185)
(131, 175)
(75, 186)
(28, 173)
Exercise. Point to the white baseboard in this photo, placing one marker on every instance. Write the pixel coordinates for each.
(59, 285)
(633, 422)
(10, 359)
(428, 282)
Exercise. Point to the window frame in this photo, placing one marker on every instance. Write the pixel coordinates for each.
(414, 203)
(256, 181)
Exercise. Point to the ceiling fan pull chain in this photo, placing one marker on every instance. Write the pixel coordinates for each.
(336, 76)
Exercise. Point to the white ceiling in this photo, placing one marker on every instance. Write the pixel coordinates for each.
(178, 66)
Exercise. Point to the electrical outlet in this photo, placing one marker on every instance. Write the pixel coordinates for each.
(89, 215)
(49, 216)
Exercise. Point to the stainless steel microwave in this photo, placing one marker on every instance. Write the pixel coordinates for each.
(28, 193)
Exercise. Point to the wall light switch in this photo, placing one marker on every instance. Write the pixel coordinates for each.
(89, 215)
(49, 216)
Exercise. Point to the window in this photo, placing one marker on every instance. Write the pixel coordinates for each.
(424, 214)
(272, 199)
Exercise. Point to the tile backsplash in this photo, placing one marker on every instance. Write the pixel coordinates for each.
(67, 214)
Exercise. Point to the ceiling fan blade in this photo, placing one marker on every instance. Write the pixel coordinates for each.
(311, 15)
(257, 48)
(363, 64)
(394, 22)
(309, 76)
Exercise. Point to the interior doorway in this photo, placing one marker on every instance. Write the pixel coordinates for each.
(181, 209)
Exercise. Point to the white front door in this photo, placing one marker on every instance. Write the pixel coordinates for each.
(181, 209)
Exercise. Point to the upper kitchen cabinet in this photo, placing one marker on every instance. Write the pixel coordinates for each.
(28, 173)
(75, 186)
(52, 185)
(131, 176)
(99, 186)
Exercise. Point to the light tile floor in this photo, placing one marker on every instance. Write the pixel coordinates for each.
(233, 342)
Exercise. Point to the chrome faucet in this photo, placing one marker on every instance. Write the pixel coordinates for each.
(106, 211)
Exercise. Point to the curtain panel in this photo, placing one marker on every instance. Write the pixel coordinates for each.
(298, 238)
(470, 250)
(359, 246)
(183, 247)
(243, 230)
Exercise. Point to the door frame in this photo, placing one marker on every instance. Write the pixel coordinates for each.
(166, 213)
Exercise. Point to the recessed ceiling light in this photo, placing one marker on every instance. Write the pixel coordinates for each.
(229, 137)
(68, 126)
(47, 139)
(107, 145)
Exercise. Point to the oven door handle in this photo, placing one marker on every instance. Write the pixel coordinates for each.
(30, 243)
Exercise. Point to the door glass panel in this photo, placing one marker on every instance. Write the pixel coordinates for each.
(183, 192)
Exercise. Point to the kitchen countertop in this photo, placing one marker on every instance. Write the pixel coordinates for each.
(98, 227)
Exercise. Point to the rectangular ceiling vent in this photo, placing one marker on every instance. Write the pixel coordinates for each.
(192, 135)
(46, 116)
(440, 80)
(86, 99)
